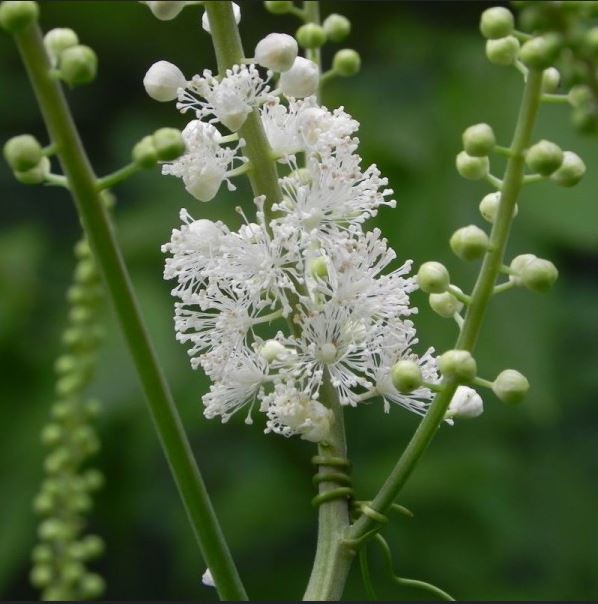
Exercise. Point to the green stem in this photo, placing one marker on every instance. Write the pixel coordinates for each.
(108, 181)
(84, 188)
(480, 297)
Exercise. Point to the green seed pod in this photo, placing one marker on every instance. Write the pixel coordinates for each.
(496, 22)
(433, 278)
(92, 585)
(544, 157)
(472, 168)
(551, 78)
(346, 62)
(35, 176)
(445, 304)
(541, 52)
(23, 152)
(16, 15)
(278, 7)
(469, 243)
(311, 35)
(479, 140)
(538, 274)
(510, 386)
(458, 365)
(406, 376)
(489, 207)
(337, 27)
(58, 40)
(144, 153)
(571, 171)
(503, 51)
(169, 144)
(41, 575)
(78, 65)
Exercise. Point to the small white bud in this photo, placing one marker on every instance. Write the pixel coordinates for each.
(277, 52)
(544, 157)
(316, 427)
(205, 23)
(207, 579)
(551, 78)
(472, 168)
(489, 207)
(205, 232)
(510, 386)
(273, 350)
(163, 80)
(301, 80)
(517, 265)
(537, 274)
(466, 403)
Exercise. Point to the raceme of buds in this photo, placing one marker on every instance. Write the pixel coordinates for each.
(541, 52)
(510, 386)
(23, 152)
(469, 242)
(465, 404)
(58, 40)
(346, 62)
(165, 10)
(472, 168)
(163, 80)
(445, 304)
(311, 35)
(18, 14)
(536, 274)
(277, 52)
(433, 277)
(544, 157)
(571, 171)
(479, 140)
(337, 27)
(496, 22)
(458, 365)
(205, 23)
(489, 207)
(301, 80)
(78, 65)
(406, 376)
(503, 51)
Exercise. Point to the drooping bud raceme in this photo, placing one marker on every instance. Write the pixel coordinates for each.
(465, 404)
(163, 80)
(205, 22)
(277, 52)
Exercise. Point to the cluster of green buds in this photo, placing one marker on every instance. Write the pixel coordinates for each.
(73, 63)
(312, 36)
(65, 498)
(28, 160)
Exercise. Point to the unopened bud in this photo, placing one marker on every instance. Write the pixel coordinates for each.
(15, 15)
(163, 80)
(465, 404)
(273, 350)
(510, 386)
(472, 168)
(57, 40)
(144, 153)
(591, 40)
(319, 268)
(92, 586)
(551, 78)
(544, 157)
(538, 274)
(458, 364)
(433, 278)
(479, 140)
(169, 144)
(346, 62)
(23, 152)
(165, 10)
(571, 171)
(337, 27)
(205, 22)
(496, 22)
(489, 207)
(469, 243)
(406, 376)
(311, 35)
(36, 175)
(503, 51)
(78, 65)
(93, 546)
(41, 575)
(277, 52)
(580, 95)
(445, 304)
(51, 434)
(278, 7)
(301, 80)
(541, 52)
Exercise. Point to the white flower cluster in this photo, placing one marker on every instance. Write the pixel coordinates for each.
(301, 299)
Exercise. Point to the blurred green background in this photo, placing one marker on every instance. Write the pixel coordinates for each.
(505, 505)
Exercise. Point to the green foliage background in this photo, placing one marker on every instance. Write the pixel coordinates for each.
(505, 506)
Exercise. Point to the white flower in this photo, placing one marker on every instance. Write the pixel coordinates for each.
(207, 578)
(205, 23)
(276, 51)
(466, 403)
(206, 163)
(163, 80)
(229, 100)
(301, 80)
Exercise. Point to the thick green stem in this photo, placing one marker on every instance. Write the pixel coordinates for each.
(84, 187)
(483, 290)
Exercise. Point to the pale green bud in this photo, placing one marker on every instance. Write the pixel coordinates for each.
(503, 51)
(81, 503)
(346, 62)
(41, 575)
(92, 586)
(469, 242)
(406, 376)
(445, 304)
(337, 27)
(169, 144)
(43, 503)
(458, 364)
(540, 52)
(144, 153)
(319, 268)
(591, 40)
(571, 171)
(93, 546)
(15, 15)
(78, 65)
(56, 461)
(36, 175)
(278, 7)
(72, 571)
(69, 384)
(496, 22)
(23, 152)
(42, 553)
(63, 410)
(51, 434)
(489, 207)
(57, 40)
(433, 278)
(510, 386)
(93, 479)
(551, 78)
(479, 140)
(311, 35)
(544, 157)
(538, 274)
(472, 168)
(86, 272)
(53, 529)
(580, 95)
(82, 249)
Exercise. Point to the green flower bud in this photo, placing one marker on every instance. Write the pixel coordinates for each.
(346, 62)
(56, 461)
(591, 40)
(93, 479)
(43, 504)
(78, 65)
(16, 15)
(86, 272)
(538, 274)
(23, 152)
(585, 119)
(580, 95)
(544, 157)
(541, 52)
(169, 144)
(63, 410)
(311, 35)
(406, 376)
(69, 384)
(93, 546)
(72, 571)
(81, 503)
(166, 10)
(58, 40)
(80, 314)
(551, 78)
(36, 175)
(144, 153)
(53, 529)
(469, 243)
(319, 268)
(337, 27)
(571, 171)
(489, 207)
(472, 168)
(278, 7)
(42, 553)
(445, 304)
(433, 278)
(510, 386)
(51, 434)
(458, 364)
(496, 22)
(82, 249)
(92, 586)
(503, 51)
(479, 140)
(41, 575)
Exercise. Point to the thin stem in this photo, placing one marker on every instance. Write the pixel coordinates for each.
(494, 181)
(482, 293)
(108, 181)
(557, 99)
(100, 233)
(505, 151)
(529, 179)
(57, 180)
(503, 287)
(457, 293)
(478, 381)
